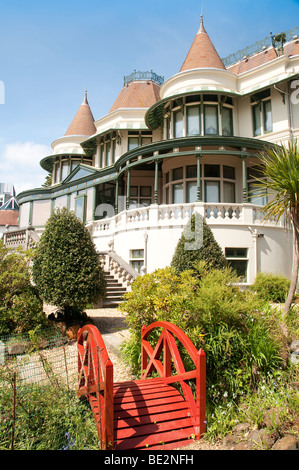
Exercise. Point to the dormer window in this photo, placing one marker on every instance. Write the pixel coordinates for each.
(261, 112)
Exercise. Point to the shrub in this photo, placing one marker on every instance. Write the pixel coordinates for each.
(197, 243)
(46, 417)
(21, 307)
(216, 316)
(271, 287)
(66, 268)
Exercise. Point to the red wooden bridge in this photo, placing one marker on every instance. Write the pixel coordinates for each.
(153, 412)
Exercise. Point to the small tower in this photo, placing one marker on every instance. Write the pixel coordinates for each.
(202, 53)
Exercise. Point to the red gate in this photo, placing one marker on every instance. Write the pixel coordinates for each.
(150, 413)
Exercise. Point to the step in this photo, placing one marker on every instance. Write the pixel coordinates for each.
(114, 291)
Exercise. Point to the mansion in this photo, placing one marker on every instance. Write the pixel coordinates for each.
(168, 149)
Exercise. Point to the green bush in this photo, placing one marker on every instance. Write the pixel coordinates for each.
(21, 307)
(216, 316)
(66, 268)
(46, 418)
(197, 243)
(271, 287)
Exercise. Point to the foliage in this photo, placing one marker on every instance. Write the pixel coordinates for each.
(47, 417)
(216, 316)
(271, 287)
(280, 183)
(21, 307)
(197, 243)
(66, 268)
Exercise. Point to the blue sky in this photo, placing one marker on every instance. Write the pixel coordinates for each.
(50, 52)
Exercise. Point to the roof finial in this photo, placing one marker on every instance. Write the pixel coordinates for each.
(201, 28)
(85, 98)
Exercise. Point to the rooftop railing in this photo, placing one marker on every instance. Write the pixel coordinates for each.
(140, 76)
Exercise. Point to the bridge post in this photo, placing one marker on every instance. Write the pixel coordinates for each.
(201, 393)
(108, 443)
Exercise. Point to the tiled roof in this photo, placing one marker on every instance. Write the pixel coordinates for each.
(9, 218)
(83, 122)
(137, 94)
(202, 53)
(261, 58)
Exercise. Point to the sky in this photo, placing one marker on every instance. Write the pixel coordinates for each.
(52, 51)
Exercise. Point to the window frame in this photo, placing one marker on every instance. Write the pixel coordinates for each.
(239, 258)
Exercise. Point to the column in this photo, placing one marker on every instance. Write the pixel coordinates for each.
(199, 198)
(97, 159)
(156, 181)
(244, 179)
(128, 189)
(116, 196)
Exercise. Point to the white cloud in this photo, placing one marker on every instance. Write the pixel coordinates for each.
(19, 165)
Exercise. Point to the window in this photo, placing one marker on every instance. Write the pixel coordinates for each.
(191, 171)
(257, 123)
(193, 120)
(64, 169)
(211, 120)
(191, 191)
(56, 172)
(227, 121)
(178, 124)
(178, 193)
(133, 142)
(137, 259)
(228, 192)
(108, 154)
(218, 183)
(140, 196)
(267, 114)
(212, 171)
(212, 191)
(254, 196)
(136, 138)
(74, 163)
(262, 112)
(80, 203)
(177, 174)
(238, 260)
(199, 115)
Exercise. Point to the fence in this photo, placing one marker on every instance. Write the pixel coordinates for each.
(39, 408)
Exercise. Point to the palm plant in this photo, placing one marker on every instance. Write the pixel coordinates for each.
(280, 168)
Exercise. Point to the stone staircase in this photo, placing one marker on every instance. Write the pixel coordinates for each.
(115, 291)
(119, 276)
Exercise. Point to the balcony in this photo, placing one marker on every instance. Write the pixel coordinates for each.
(178, 215)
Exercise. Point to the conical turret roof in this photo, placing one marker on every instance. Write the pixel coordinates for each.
(137, 94)
(202, 53)
(83, 122)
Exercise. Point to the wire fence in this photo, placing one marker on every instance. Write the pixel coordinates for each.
(39, 407)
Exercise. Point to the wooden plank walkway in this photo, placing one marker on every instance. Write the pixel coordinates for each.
(150, 413)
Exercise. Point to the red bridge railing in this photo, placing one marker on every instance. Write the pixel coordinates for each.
(96, 374)
(172, 369)
(96, 381)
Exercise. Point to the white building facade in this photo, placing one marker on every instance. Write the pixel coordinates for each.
(169, 149)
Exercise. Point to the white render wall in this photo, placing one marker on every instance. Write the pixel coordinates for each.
(157, 231)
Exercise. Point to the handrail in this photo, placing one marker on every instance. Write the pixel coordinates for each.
(118, 267)
(95, 381)
(150, 361)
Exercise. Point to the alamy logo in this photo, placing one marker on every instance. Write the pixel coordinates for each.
(295, 93)
(193, 232)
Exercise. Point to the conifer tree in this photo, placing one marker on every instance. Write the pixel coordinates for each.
(197, 243)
